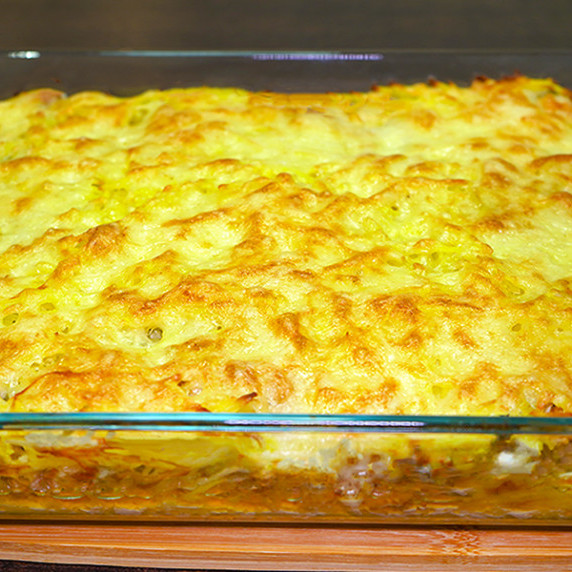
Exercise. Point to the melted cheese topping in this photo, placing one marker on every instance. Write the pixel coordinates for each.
(406, 250)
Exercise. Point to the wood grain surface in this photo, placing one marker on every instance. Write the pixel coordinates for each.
(323, 548)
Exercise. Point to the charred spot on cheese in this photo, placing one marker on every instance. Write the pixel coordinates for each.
(403, 250)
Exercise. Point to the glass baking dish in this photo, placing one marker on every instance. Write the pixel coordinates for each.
(281, 468)
(287, 468)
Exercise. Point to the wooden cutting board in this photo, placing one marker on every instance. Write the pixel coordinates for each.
(235, 547)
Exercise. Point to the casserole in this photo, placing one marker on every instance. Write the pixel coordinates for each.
(267, 465)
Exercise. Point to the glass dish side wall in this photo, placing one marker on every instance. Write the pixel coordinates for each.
(287, 476)
(128, 73)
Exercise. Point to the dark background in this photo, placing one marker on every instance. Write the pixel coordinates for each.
(285, 24)
(280, 25)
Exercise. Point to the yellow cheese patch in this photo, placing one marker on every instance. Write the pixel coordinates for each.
(406, 250)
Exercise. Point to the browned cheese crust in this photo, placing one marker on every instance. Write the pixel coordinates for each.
(406, 250)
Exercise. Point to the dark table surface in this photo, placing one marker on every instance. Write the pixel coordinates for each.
(285, 24)
(278, 25)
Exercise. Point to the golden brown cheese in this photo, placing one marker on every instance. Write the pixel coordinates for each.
(406, 250)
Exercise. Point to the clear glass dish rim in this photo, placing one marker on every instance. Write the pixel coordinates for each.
(310, 55)
(297, 422)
